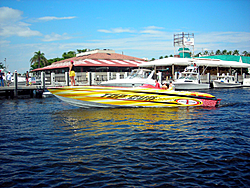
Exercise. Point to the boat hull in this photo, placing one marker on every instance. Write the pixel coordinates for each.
(190, 86)
(219, 84)
(246, 82)
(111, 97)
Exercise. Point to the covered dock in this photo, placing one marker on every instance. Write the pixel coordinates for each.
(173, 65)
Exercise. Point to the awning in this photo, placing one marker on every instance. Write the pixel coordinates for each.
(200, 62)
(93, 63)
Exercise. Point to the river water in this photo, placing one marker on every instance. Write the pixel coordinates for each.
(48, 143)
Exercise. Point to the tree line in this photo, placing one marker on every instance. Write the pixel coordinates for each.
(39, 60)
(211, 53)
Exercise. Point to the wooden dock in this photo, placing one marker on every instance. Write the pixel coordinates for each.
(21, 91)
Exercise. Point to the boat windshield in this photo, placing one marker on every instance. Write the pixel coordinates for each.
(187, 78)
(231, 78)
(139, 73)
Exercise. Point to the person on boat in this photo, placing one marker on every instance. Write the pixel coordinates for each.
(171, 86)
(157, 85)
(72, 73)
(165, 86)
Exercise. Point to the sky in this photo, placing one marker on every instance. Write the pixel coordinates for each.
(138, 28)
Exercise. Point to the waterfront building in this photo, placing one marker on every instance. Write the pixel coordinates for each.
(95, 61)
(170, 66)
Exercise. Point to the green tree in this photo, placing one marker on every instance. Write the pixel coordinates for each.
(229, 53)
(198, 55)
(218, 52)
(245, 53)
(224, 52)
(166, 56)
(152, 59)
(38, 59)
(50, 61)
(171, 55)
(80, 51)
(2, 66)
(205, 52)
(161, 57)
(69, 54)
(236, 52)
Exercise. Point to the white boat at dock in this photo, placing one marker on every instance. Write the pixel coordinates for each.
(226, 81)
(190, 79)
(246, 82)
(137, 77)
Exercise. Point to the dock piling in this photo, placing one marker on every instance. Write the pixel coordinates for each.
(43, 80)
(15, 85)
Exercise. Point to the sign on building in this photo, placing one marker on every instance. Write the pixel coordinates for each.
(188, 41)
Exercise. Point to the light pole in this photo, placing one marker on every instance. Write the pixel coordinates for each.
(5, 62)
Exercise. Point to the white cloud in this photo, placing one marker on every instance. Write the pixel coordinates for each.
(153, 30)
(9, 15)
(116, 30)
(230, 37)
(11, 25)
(222, 40)
(153, 27)
(18, 30)
(55, 37)
(49, 18)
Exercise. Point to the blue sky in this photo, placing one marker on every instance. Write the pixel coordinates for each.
(139, 28)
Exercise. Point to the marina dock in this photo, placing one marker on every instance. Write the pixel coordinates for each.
(11, 92)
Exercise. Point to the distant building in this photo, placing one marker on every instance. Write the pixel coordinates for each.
(172, 65)
(242, 59)
(95, 61)
(184, 53)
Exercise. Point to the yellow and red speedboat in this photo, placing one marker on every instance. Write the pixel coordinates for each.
(99, 96)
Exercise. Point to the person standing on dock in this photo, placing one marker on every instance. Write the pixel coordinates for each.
(72, 73)
(27, 78)
(1, 78)
(8, 78)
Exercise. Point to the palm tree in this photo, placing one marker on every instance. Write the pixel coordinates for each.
(236, 52)
(205, 52)
(229, 53)
(38, 58)
(245, 53)
(218, 52)
(224, 52)
(198, 55)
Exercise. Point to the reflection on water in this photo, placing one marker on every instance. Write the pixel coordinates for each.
(104, 120)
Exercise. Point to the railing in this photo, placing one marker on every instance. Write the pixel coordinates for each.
(82, 78)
